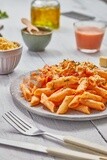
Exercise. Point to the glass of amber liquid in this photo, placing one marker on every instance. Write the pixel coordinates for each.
(89, 35)
(45, 13)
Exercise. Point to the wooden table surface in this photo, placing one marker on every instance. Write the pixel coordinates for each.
(62, 46)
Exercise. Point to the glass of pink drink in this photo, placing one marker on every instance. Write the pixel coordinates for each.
(89, 35)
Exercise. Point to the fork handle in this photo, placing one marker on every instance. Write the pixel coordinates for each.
(85, 144)
(80, 143)
(70, 154)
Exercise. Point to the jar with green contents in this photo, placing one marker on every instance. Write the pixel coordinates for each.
(45, 13)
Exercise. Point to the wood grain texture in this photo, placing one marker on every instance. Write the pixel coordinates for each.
(62, 46)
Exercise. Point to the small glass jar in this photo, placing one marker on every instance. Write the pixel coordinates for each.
(45, 13)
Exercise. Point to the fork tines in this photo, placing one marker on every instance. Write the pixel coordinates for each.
(17, 122)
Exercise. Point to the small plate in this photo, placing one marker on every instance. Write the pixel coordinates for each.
(39, 110)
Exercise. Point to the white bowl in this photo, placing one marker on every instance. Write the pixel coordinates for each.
(9, 59)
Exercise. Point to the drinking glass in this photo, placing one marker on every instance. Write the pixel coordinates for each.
(89, 35)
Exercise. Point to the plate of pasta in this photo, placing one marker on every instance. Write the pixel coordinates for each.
(69, 91)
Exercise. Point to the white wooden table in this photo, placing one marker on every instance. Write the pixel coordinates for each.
(62, 46)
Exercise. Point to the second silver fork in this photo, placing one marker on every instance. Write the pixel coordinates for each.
(27, 129)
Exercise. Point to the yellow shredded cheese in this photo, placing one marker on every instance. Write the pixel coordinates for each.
(7, 45)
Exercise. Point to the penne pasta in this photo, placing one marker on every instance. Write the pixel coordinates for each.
(75, 102)
(67, 86)
(63, 108)
(83, 109)
(87, 95)
(93, 104)
(46, 91)
(48, 104)
(59, 96)
(102, 73)
(62, 82)
(101, 91)
(34, 101)
(26, 92)
(82, 86)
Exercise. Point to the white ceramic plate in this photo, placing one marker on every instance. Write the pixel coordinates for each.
(72, 115)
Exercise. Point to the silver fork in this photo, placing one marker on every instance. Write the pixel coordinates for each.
(24, 127)
(27, 129)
